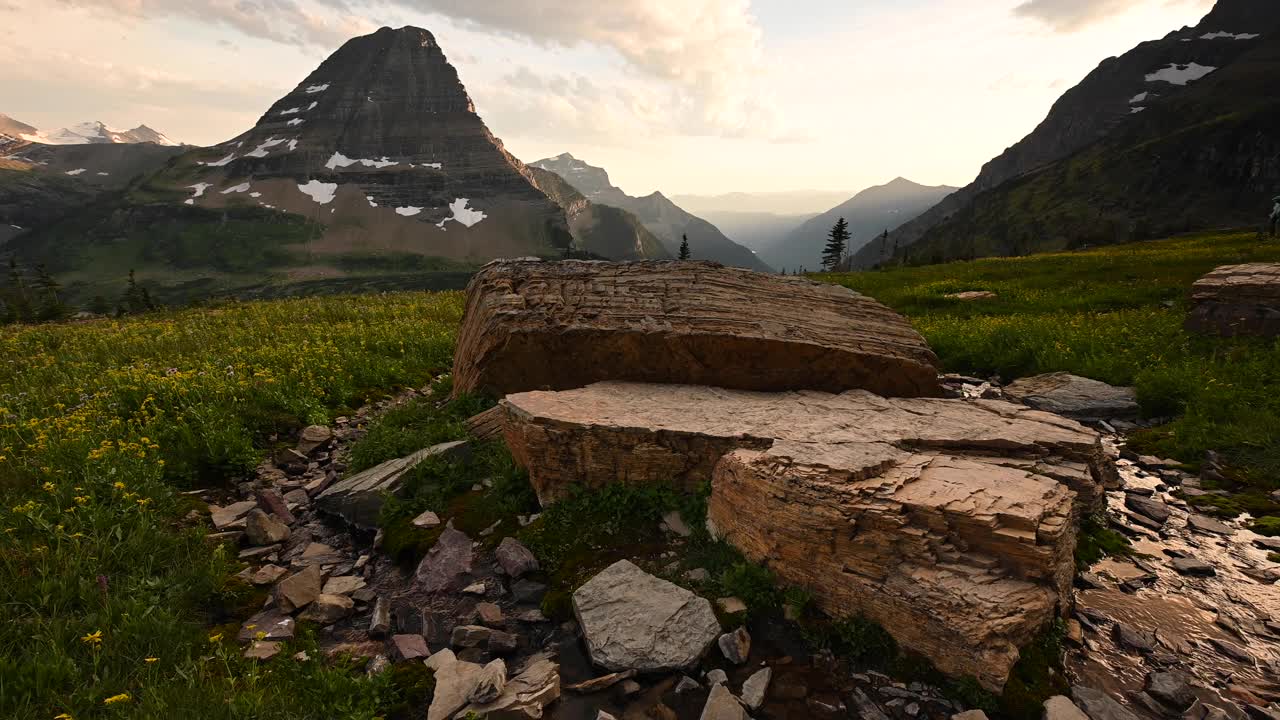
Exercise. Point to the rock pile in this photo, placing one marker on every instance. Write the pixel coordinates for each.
(1237, 300)
(813, 413)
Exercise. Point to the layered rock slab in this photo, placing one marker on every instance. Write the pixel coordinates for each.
(1237, 300)
(533, 325)
(949, 522)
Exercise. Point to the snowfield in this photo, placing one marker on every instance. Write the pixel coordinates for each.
(322, 193)
(1180, 74)
(461, 213)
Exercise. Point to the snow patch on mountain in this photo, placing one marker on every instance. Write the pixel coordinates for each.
(1138, 98)
(295, 121)
(463, 214)
(1177, 74)
(199, 188)
(313, 89)
(221, 163)
(242, 187)
(342, 161)
(78, 171)
(261, 150)
(1222, 35)
(409, 211)
(322, 193)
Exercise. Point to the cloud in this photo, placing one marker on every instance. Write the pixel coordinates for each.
(1071, 15)
(707, 53)
(323, 23)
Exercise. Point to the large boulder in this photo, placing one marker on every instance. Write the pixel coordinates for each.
(1237, 300)
(533, 325)
(359, 498)
(1075, 397)
(952, 523)
(632, 620)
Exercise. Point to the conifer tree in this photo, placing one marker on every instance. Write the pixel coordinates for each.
(684, 247)
(837, 240)
(51, 308)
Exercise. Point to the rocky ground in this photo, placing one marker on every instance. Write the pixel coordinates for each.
(1187, 626)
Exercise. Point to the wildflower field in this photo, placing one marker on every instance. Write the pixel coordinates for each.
(1114, 314)
(110, 602)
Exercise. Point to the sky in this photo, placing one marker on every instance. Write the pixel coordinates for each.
(682, 96)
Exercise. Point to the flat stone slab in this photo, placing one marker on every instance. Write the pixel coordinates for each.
(536, 325)
(1075, 397)
(952, 523)
(358, 499)
(1237, 300)
(632, 620)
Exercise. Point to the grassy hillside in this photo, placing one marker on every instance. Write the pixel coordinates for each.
(1114, 314)
(104, 590)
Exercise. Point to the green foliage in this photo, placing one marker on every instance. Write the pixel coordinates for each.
(414, 687)
(684, 248)
(1114, 314)
(101, 423)
(417, 424)
(1097, 541)
(1269, 526)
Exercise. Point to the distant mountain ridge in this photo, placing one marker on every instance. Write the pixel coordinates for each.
(1119, 88)
(375, 165)
(86, 133)
(784, 202)
(668, 221)
(869, 214)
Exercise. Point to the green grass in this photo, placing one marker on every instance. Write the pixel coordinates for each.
(101, 424)
(417, 424)
(1114, 314)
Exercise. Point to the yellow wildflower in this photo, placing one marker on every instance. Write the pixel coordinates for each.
(118, 485)
(62, 716)
(151, 660)
(81, 499)
(49, 487)
(215, 637)
(122, 697)
(93, 638)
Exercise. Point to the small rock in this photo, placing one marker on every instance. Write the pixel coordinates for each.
(502, 643)
(230, 515)
(717, 677)
(319, 554)
(699, 575)
(1075, 632)
(489, 614)
(469, 636)
(1133, 639)
(755, 688)
(410, 647)
(445, 564)
(731, 605)
(427, 519)
(629, 688)
(489, 683)
(687, 684)
(1151, 509)
(273, 503)
(1099, 705)
(343, 585)
(1172, 689)
(602, 715)
(475, 589)
(736, 646)
(313, 437)
(970, 715)
(299, 590)
(262, 650)
(674, 523)
(1060, 707)
(528, 592)
(722, 705)
(267, 625)
(1208, 526)
(491, 529)
(329, 609)
(1231, 650)
(1192, 566)
(515, 559)
(380, 621)
(604, 682)
(267, 575)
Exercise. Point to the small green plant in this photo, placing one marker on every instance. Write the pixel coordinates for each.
(1097, 541)
(417, 424)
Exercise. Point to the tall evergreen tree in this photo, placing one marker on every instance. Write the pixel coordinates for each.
(684, 247)
(837, 241)
(51, 307)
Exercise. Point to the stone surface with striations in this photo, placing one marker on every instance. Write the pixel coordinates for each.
(537, 325)
(1237, 300)
(952, 523)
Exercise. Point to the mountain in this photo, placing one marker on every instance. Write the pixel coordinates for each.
(662, 217)
(600, 230)
(869, 213)
(1202, 158)
(787, 202)
(89, 133)
(13, 129)
(375, 165)
(1109, 97)
(755, 230)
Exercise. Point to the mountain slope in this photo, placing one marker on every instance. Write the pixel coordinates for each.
(600, 230)
(869, 213)
(375, 164)
(1117, 89)
(662, 217)
(785, 202)
(1207, 157)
